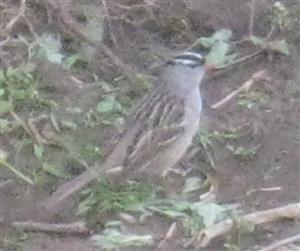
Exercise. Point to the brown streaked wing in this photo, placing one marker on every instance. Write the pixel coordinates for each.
(161, 123)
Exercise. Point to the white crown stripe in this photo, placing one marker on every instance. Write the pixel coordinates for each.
(191, 54)
(184, 61)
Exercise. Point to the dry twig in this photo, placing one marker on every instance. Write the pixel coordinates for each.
(168, 236)
(107, 14)
(260, 75)
(37, 136)
(22, 123)
(251, 20)
(238, 61)
(204, 238)
(281, 243)
(72, 228)
(263, 189)
(9, 26)
(30, 128)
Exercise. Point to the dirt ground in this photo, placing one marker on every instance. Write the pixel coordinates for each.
(272, 125)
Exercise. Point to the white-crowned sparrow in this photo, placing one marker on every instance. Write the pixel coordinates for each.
(158, 131)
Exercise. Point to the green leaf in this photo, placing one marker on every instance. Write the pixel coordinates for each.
(280, 46)
(111, 197)
(90, 152)
(49, 48)
(119, 121)
(191, 184)
(211, 213)
(194, 216)
(72, 60)
(170, 208)
(113, 239)
(2, 77)
(38, 151)
(218, 54)
(258, 41)
(10, 72)
(3, 155)
(223, 35)
(207, 42)
(6, 106)
(85, 206)
(69, 125)
(107, 105)
(74, 110)
(141, 83)
(56, 170)
(5, 126)
(2, 92)
(219, 45)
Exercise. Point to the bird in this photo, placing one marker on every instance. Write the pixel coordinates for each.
(157, 132)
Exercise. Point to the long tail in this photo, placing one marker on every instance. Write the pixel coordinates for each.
(65, 191)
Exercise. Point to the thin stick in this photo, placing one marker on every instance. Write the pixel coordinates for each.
(14, 20)
(18, 173)
(281, 243)
(107, 14)
(29, 128)
(39, 139)
(263, 189)
(31, 28)
(72, 228)
(168, 236)
(242, 59)
(251, 20)
(256, 76)
(204, 238)
(22, 123)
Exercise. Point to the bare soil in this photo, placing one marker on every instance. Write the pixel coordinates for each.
(272, 125)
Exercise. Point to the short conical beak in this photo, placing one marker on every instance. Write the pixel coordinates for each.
(209, 68)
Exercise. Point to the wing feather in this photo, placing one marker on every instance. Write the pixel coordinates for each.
(160, 121)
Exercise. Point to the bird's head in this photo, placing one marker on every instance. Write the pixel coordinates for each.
(187, 66)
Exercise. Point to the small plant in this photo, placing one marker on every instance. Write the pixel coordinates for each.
(281, 16)
(114, 239)
(17, 87)
(251, 99)
(19, 90)
(241, 152)
(111, 110)
(109, 197)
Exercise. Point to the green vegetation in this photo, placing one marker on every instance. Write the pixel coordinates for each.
(61, 102)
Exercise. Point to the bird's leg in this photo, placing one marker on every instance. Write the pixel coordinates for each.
(184, 167)
(209, 172)
(212, 182)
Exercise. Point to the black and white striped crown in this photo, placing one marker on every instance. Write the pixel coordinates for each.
(188, 58)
